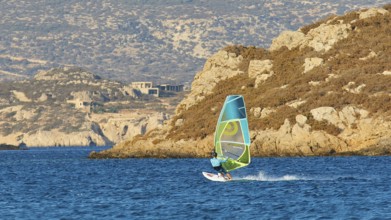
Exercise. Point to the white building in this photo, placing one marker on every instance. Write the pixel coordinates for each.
(146, 88)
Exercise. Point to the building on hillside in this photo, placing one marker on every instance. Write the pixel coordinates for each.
(168, 87)
(149, 89)
(81, 105)
(146, 88)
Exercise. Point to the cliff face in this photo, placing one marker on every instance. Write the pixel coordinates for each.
(322, 90)
(73, 107)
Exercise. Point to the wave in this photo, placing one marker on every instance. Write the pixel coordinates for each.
(264, 177)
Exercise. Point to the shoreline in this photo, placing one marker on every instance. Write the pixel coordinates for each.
(115, 154)
(12, 147)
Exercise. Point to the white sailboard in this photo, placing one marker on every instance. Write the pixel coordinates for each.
(214, 177)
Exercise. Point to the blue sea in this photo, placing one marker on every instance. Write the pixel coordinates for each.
(62, 183)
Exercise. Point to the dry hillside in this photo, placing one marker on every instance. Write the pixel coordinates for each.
(70, 106)
(344, 67)
(321, 90)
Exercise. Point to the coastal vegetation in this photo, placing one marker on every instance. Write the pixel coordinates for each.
(346, 62)
(322, 90)
(10, 147)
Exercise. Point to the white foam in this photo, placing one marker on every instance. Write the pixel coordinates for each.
(264, 177)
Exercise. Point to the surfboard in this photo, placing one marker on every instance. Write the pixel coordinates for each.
(214, 177)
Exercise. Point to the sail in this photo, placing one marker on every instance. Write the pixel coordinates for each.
(232, 137)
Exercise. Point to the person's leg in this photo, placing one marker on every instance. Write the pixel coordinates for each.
(229, 176)
(220, 171)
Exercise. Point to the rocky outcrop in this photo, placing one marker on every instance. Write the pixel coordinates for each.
(21, 96)
(59, 138)
(321, 38)
(289, 39)
(259, 112)
(158, 147)
(310, 63)
(125, 125)
(72, 107)
(261, 70)
(85, 96)
(65, 73)
(339, 104)
(8, 147)
(372, 12)
(221, 66)
(359, 133)
(129, 91)
(98, 130)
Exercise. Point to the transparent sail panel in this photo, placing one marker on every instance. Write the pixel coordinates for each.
(232, 132)
(232, 150)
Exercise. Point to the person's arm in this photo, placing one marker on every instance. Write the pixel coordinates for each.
(223, 159)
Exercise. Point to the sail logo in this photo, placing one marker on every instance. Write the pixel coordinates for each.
(231, 128)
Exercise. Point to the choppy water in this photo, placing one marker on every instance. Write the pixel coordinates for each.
(61, 183)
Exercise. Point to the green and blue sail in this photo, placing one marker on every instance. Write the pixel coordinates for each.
(232, 137)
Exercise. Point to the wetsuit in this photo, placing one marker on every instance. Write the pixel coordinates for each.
(216, 163)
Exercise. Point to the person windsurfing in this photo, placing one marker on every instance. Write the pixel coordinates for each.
(217, 165)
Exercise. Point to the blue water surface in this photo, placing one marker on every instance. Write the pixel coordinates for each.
(61, 183)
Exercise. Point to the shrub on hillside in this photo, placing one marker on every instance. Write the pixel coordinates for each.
(316, 24)
(343, 70)
(323, 126)
(248, 54)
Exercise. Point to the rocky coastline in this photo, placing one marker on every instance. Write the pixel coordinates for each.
(12, 147)
(70, 106)
(322, 90)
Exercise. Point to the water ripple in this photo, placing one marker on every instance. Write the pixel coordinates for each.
(63, 184)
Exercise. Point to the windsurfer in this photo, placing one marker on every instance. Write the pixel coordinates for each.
(217, 165)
